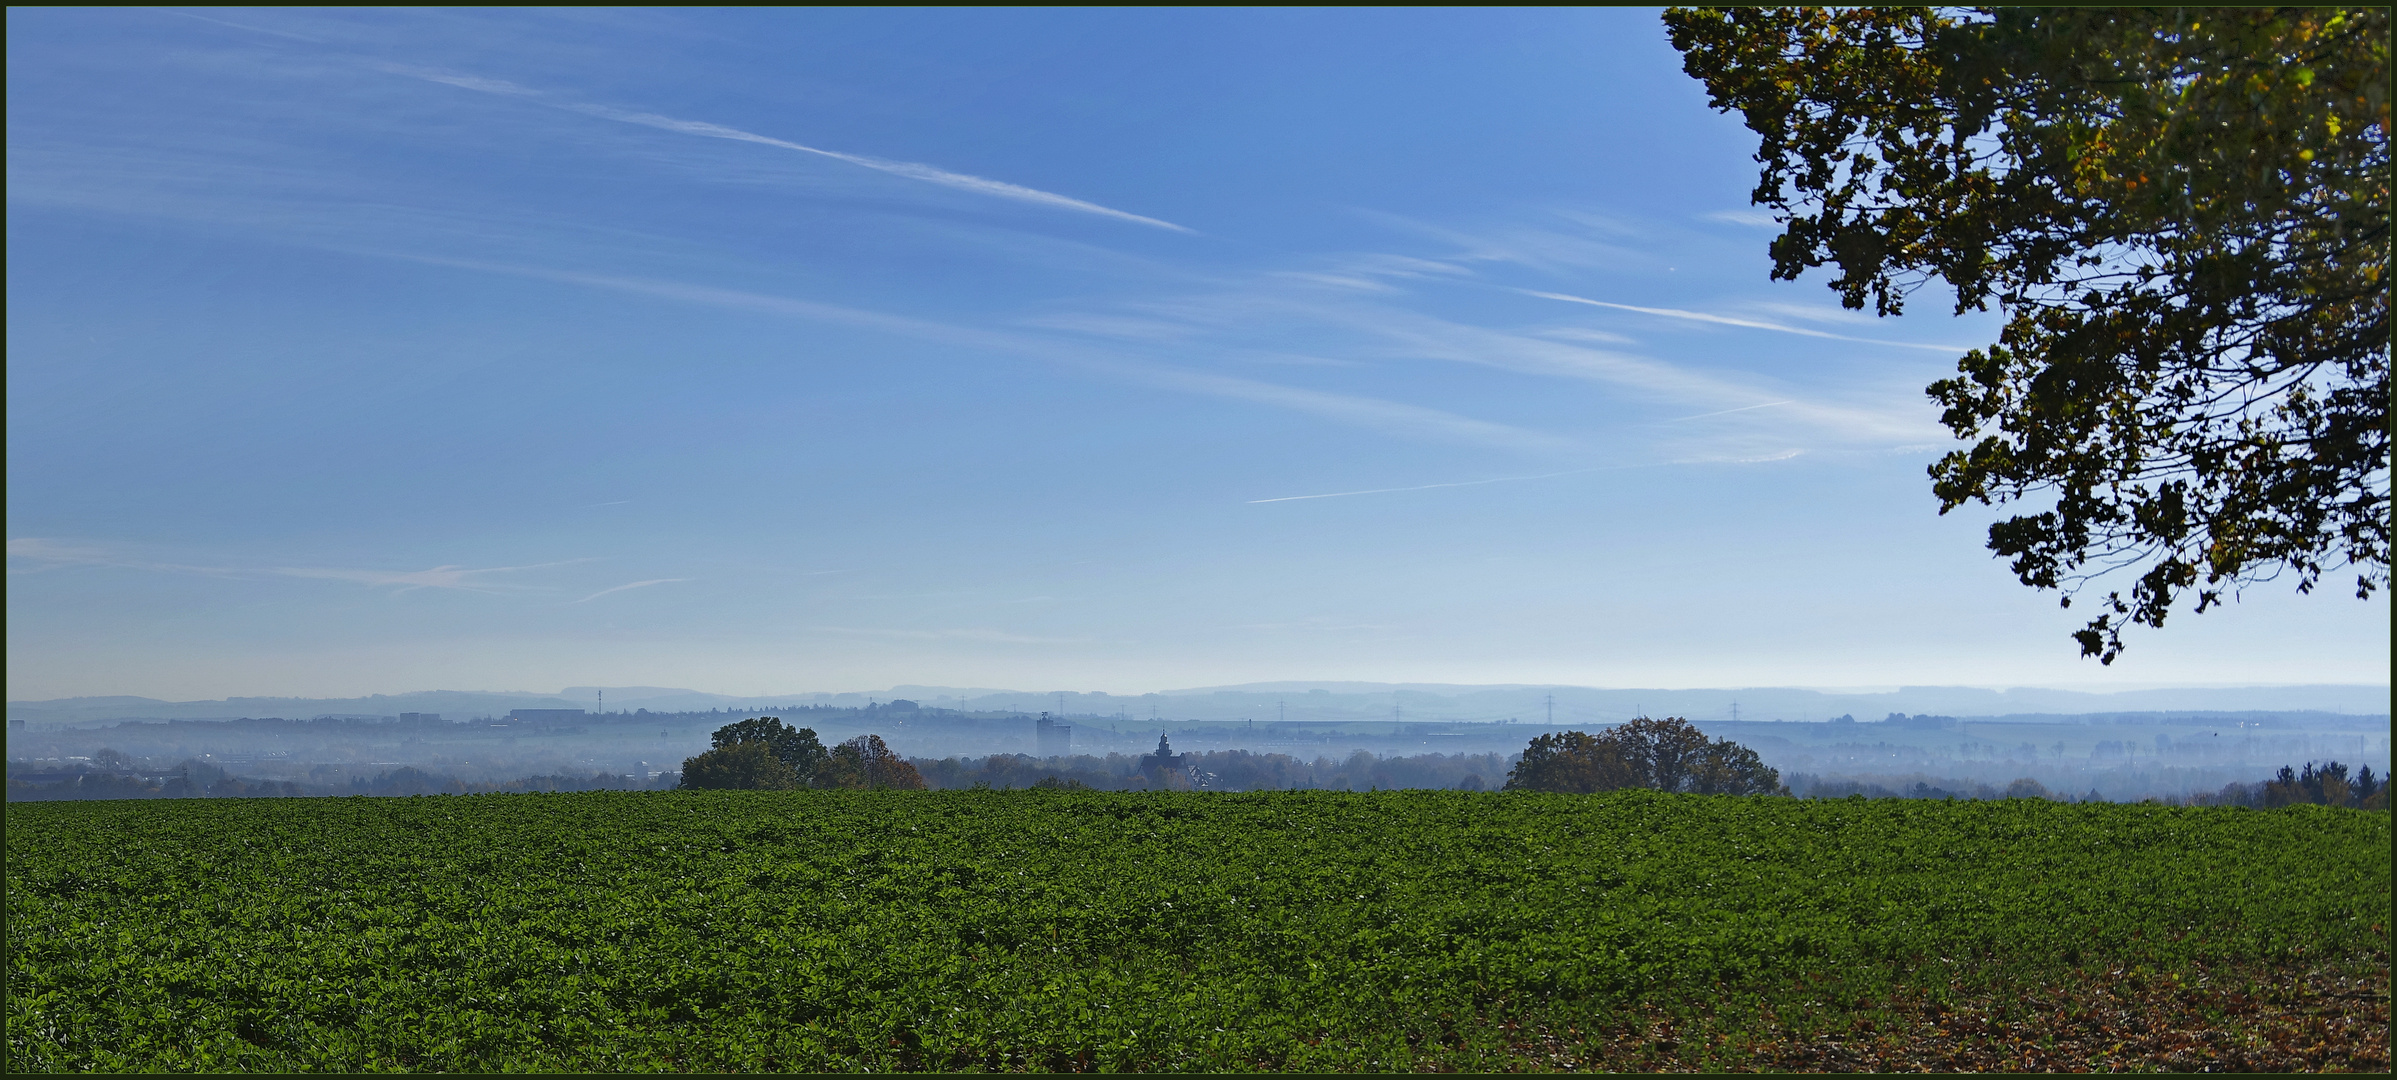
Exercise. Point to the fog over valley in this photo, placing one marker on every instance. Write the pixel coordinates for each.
(2167, 743)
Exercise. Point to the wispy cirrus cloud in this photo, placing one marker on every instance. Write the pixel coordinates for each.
(1719, 459)
(1818, 313)
(1357, 282)
(1137, 353)
(1384, 264)
(1348, 316)
(247, 27)
(911, 170)
(996, 637)
(1379, 328)
(1430, 487)
(1395, 331)
(1392, 417)
(1756, 218)
(1752, 324)
(1537, 247)
(40, 554)
(1131, 328)
(1583, 333)
(472, 579)
(631, 585)
(1727, 412)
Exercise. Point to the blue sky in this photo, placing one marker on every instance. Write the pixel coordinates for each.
(358, 352)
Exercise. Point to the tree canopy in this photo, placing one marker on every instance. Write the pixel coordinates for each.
(761, 753)
(795, 747)
(2325, 785)
(866, 763)
(2183, 214)
(1666, 755)
(766, 754)
(749, 766)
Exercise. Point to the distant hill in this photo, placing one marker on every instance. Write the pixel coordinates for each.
(450, 703)
(1528, 703)
(1351, 701)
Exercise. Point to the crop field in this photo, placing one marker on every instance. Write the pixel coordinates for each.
(1037, 930)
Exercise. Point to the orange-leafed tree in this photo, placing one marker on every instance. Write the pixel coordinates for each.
(865, 763)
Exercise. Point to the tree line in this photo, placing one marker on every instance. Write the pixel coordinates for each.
(766, 754)
(2325, 784)
(113, 777)
(1220, 770)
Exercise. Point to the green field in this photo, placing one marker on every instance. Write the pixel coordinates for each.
(1072, 930)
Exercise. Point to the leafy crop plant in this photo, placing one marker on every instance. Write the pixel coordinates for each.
(1069, 930)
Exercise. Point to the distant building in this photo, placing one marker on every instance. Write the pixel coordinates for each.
(1054, 739)
(548, 716)
(420, 718)
(1920, 722)
(1164, 758)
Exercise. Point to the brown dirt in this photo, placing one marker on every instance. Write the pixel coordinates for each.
(2224, 1020)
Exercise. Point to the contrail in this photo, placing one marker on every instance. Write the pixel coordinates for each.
(909, 169)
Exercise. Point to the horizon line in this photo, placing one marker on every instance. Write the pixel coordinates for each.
(1276, 686)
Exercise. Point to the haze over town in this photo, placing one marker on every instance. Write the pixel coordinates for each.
(2169, 743)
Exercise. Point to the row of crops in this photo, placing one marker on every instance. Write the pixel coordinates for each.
(964, 930)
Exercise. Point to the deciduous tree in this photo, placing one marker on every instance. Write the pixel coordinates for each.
(796, 747)
(864, 763)
(2183, 213)
(1573, 762)
(1666, 755)
(746, 766)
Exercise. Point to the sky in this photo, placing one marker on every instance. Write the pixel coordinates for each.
(779, 351)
